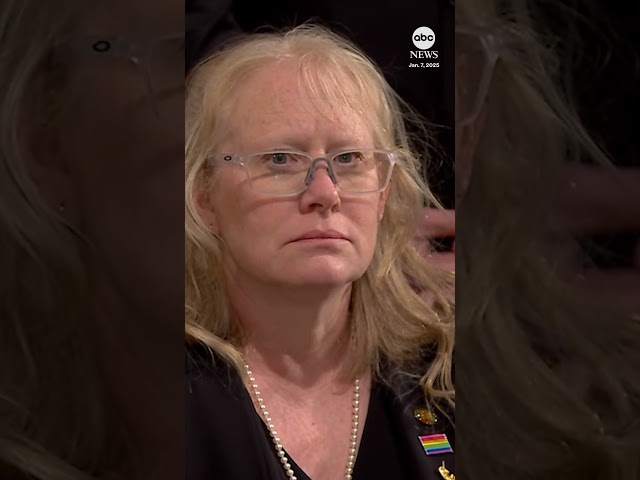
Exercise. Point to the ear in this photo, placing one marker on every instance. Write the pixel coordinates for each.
(204, 203)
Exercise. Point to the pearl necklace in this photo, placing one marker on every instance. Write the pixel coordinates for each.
(355, 419)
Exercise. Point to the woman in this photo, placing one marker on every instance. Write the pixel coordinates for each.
(302, 194)
(550, 377)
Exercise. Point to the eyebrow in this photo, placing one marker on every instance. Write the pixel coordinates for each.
(300, 143)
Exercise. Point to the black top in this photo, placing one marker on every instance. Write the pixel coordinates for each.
(227, 439)
(380, 454)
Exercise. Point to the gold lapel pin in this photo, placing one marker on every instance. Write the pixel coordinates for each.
(425, 416)
(446, 474)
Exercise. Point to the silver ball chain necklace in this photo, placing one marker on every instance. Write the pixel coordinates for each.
(355, 420)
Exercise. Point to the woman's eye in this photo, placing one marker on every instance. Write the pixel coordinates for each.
(347, 157)
(279, 158)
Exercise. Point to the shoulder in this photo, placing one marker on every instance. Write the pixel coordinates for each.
(211, 386)
(197, 356)
(404, 380)
(198, 360)
(406, 376)
(204, 370)
(419, 418)
(222, 431)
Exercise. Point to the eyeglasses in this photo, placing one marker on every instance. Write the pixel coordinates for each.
(477, 52)
(288, 173)
(160, 61)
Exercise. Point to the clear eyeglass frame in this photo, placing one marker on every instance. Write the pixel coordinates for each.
(138, 52)
(242, 160)
(490, 45)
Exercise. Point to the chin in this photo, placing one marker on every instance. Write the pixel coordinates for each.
(324, 275)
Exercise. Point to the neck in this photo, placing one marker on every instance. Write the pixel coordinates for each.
(301, 335)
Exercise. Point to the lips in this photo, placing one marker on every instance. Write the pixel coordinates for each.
(322, 234)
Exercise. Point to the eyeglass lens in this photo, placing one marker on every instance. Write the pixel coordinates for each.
(285, 173)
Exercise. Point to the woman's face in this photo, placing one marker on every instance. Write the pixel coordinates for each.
(262, 234)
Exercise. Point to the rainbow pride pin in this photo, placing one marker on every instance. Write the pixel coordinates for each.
(435, 444)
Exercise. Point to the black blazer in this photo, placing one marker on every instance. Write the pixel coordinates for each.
(226, 439)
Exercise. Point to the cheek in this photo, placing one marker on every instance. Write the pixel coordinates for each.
(245, 223)
(364, 218)
(243, 217)
(252, 233)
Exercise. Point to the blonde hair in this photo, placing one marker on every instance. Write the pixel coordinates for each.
(518, 324)
(53, 421)
(389, 320)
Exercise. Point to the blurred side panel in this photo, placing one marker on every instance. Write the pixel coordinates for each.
(91, 242)
(548, 276)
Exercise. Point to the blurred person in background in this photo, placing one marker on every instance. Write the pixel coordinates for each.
(549, 374)
(91, 121)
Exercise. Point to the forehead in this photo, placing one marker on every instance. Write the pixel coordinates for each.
(274, 104)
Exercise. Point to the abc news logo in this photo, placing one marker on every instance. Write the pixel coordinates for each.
(423, 38)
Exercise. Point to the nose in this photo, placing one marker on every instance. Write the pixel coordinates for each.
(321, 192)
